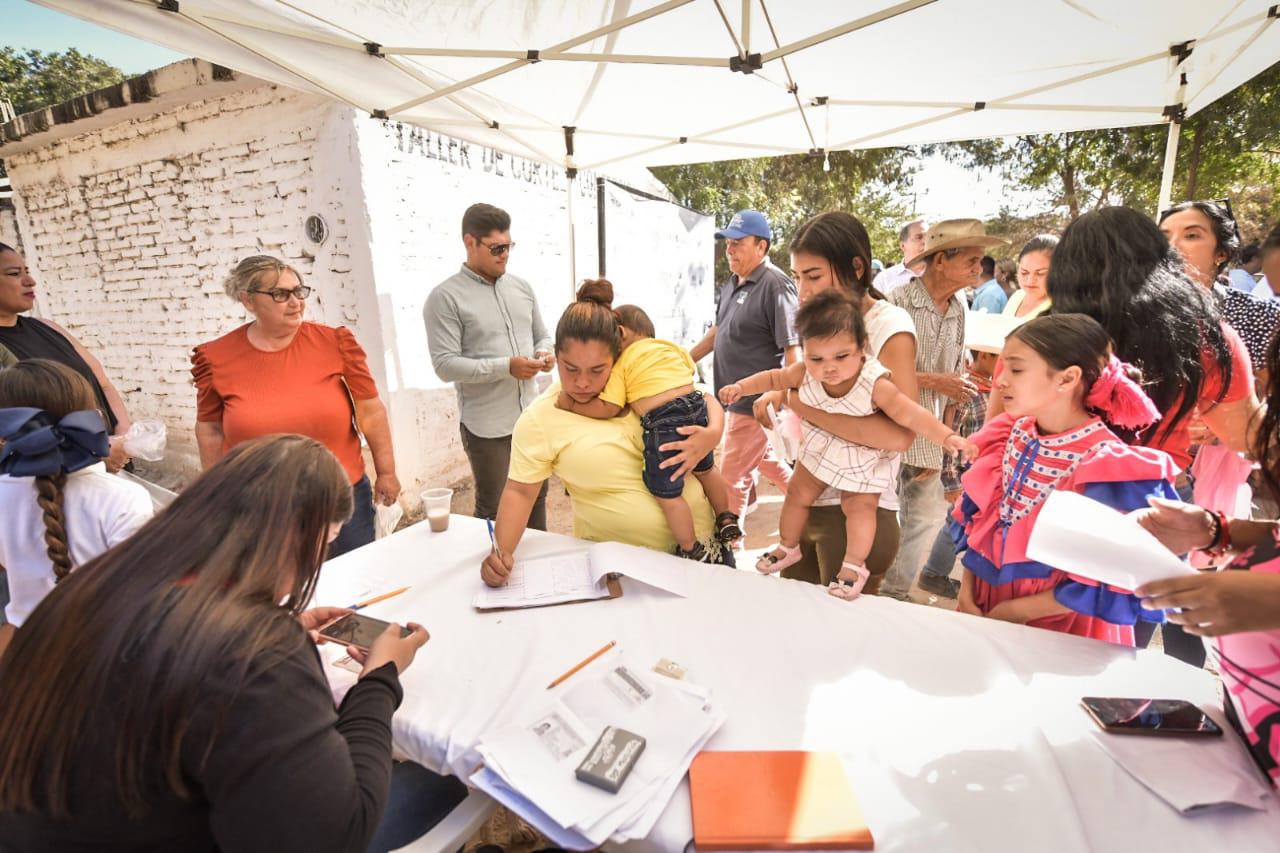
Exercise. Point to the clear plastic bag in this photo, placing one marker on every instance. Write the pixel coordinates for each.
(145, 440)
(386, 518)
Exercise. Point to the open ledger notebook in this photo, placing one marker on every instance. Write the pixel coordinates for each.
(583, 576)
(775, 801)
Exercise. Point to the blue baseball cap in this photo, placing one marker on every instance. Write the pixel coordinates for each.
(747, 223)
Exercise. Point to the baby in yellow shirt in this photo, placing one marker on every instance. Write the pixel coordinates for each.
(655, 378)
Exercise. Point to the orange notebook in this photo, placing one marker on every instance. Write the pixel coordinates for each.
(775, 801)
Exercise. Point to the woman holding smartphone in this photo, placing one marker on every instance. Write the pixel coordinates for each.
(168, 696)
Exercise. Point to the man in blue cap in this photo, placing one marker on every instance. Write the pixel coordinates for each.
(754, 331)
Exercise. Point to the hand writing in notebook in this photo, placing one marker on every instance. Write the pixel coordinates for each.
(496, 568)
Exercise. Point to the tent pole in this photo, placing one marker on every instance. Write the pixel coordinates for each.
(1170, 160)
(600, 225)
(573, 247)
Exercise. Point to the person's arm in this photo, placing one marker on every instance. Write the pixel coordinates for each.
(1210, 604)
(114, 400)
(1182, 527)
(444, 342)
(209, 440)
(956, 386)
(282, 770)
(371, 418)
(6, 637)
(514, 508)
(766, 380)
(909, 413)
(595, 408)
(698, 441)
(703, 348)
(792, 355)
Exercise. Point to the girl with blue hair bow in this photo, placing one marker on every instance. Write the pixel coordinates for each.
(59, 507)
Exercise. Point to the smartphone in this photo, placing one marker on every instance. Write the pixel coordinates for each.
(1175, 717)
(357, 630)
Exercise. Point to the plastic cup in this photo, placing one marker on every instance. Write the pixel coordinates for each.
(436, 502)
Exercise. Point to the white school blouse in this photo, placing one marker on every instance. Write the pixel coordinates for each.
(101, 511)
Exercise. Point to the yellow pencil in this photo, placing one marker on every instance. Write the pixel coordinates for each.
(378, 598)
(589, 659)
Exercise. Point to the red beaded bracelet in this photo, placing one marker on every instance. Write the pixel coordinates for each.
(1220, 544)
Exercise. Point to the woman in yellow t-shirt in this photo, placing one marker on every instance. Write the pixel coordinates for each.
(600, 462)
(1033, 277)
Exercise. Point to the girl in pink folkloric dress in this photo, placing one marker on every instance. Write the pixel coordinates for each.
(1062, 391)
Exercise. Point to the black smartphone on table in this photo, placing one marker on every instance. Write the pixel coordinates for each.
(1172, 717)
(357, 630)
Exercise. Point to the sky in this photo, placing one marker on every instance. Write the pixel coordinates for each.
(942, 190)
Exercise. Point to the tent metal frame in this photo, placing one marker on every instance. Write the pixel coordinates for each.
(439, 87)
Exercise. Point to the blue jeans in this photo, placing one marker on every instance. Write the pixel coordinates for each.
(942, 556)
(359, 530)
(418, 800)
(660, 427)
(923, 508)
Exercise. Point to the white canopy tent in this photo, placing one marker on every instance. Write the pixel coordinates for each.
(591, 84)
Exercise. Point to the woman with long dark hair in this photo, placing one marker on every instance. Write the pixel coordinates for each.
(832, 250)
(167, 696)
(1116, 266)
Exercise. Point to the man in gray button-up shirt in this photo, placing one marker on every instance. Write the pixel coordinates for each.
(486, 336)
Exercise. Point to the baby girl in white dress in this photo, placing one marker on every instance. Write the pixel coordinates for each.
(837, 375)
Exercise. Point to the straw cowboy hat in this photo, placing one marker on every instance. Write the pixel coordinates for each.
(955, 234)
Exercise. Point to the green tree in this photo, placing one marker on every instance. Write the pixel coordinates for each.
(1230, 149)
(33, 79)
(788, 190)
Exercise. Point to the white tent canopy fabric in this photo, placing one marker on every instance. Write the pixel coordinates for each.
(591, 84)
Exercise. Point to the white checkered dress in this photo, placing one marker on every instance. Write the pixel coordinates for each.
(939, 349)
(839, 463)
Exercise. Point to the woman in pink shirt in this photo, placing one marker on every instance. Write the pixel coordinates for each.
(1240, 604)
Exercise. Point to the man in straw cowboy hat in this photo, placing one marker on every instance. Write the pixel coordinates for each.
(952, 258)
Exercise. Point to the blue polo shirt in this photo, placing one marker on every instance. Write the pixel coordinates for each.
(990, 297)
(755, 323)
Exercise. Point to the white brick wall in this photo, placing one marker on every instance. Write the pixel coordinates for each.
(131, 230)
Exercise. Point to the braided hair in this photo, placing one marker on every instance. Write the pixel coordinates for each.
(57, 389)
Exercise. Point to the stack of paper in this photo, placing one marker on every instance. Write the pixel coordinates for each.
(530, 767)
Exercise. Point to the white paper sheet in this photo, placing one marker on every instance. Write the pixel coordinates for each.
(1081, 536)
(661, 571)
(540, 581)
(1189, 774)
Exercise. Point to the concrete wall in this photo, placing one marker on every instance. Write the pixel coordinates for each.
(132, 227)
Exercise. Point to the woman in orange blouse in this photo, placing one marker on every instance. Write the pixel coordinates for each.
(280, 374)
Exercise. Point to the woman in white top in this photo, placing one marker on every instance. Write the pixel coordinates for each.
(833, 250)
(1033, 277)
(59, 508)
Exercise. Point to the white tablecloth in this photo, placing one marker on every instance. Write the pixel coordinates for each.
(959, 734)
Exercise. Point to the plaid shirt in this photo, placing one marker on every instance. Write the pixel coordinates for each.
(939, 349)
(968, 419)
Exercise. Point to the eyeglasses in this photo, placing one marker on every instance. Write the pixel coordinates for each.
(279, 294)
(498, 249)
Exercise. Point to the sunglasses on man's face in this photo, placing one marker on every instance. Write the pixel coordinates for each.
(279, 294)
(499, 249)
